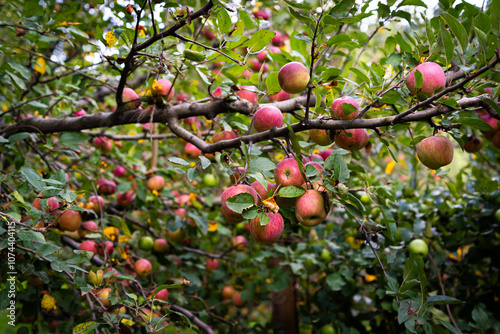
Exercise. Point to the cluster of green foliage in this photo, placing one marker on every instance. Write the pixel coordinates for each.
(351, 274)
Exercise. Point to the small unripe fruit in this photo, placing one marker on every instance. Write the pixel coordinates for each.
(146, 243)
(418, 246)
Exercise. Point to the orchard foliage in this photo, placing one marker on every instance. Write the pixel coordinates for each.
(139, 193)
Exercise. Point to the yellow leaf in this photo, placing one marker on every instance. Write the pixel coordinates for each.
(48, 302)
(123, 238)
(110, 38)
(40, 65)
(390, 167)
(111, 232)
(212, 226)
(156, 86)
(270, 203)
(4, 107)
(389, 71)
(123, 253)
(370, 278)
(192, 196)
(142, 34)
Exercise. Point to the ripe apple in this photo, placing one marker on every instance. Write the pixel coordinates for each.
(228, 292)
(321, 137)
(240, 242)
(182, 97)
(493, 122)
(209, 34)
(418, 246)
(232, 191)
(128, 95)
(95, 203)
(293, 77)
(70, 220)
(287, 173)
(162, 295)
(161, 87)
(119, 171)
(146, 243)
(280, 96)
(87, 228)
(496, 139)
(434, 79)
(264, 14)
(143, 267)
(497, 215)
(435, 152)
(106, 187)
(473, 144)
(52, 204)
(224, 135)
(278, 39)
(337, 108)
(212, 264)
(248, 95)
(108, 245)
(237, 299)
(263, 192)
(352, 139)
(192, 151)
(104, 295)
(88, 245)
(126, 198)
(160, 245)
(310, 209)
(325, 154)
(156, 182)
(266, 118)
(269, 233)
(80, 113)
(103, 143)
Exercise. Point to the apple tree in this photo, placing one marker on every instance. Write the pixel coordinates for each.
(249, 167)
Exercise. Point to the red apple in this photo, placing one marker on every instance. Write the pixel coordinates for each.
(160, 245)
(79, 113)
(128, 95)
(182, 97)
(217, 92)
(473, 144)
(87, 228)
(435, 152)
(209, 34)
(496, 139)
(227, 292)
(224, 135)
(126, 198)
(262, 56)
(143, 267)
(325, 154)
(212, 264)
(264, 14)
(240, 242)
(162, 295)
(493, 122)
(52, 204)
(103, 143)
(95, 203)
(106, 187)
(280, 96)
(119, 171)
(321, 137)
(108, 245)
(293, 77)
(269, 233)
(248, 95)
(103, 296)
(156, 182)
(192, 151)
(434, 79)
(162, 87)
(310, 209)
(352, 139)
(70, 220)
(278, 39)
(237, 299)
(287, 173)
(88, 245)
(337, 108)
(266, 118)
(261, 191)
(232, 191)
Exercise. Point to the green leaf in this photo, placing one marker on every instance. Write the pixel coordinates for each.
(178, 161)
(263, 218)
(480, 317)
(338, 39)
(223, 20)
(458, 30)
(303, 37)
(192, 173)
(250, 213)
(442, 300)
(272, 83)
(475, 123)
(417, 140)
(204, 162)
(240, 202)
(453, 190)
(291, 191)
(447, 42)
(450, 327)
(249, 24)
(33, 178)
(419, 79)
(71, 139)
(47, 249)
(494, 11)
(260, 165)
(86, 327)
(300, 17)
(335, 281)
(20, 69)
(408, 285)
(412, 3)
(360, 75)
(16, 80)
(329, 74)
(259, 40)
(297, 5)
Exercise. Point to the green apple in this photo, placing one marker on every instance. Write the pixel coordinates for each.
(418, 246)
(146, 243)
(365, 199)
(497, 215)
(309, 265)
(325, 255)
(328, 329)
(211, 180)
